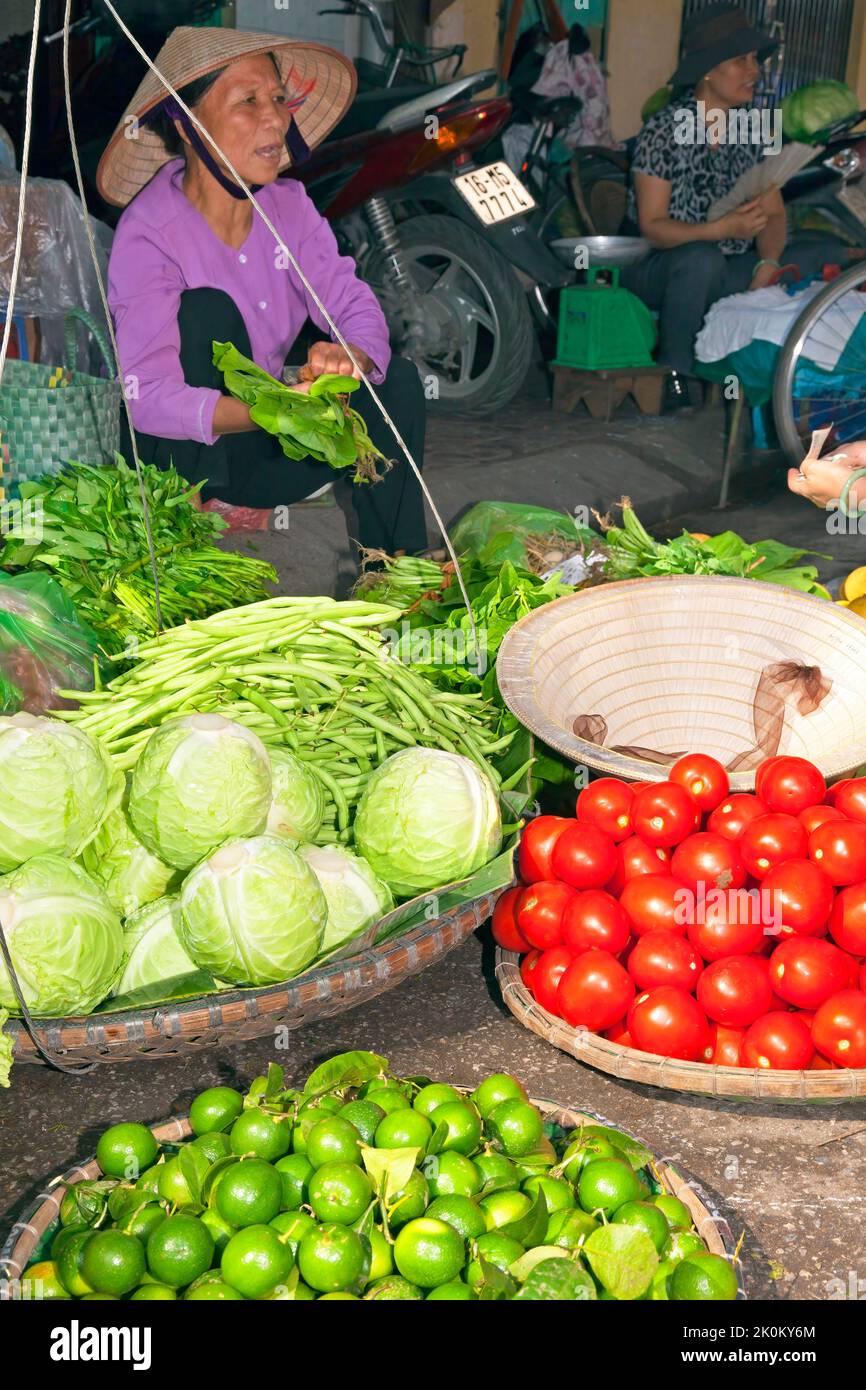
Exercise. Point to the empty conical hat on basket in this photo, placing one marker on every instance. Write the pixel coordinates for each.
(627, 677)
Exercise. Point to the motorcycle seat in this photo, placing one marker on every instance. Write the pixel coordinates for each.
(412, 112)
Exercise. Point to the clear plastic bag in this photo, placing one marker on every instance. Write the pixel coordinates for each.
(44, 645)
(494, 532)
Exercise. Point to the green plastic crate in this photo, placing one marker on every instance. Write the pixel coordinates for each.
(602, 326)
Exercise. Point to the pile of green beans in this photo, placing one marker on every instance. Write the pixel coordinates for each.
(309, 674)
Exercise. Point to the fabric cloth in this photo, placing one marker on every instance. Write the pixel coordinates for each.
(251, 470)
(164, 246)
(681, 285)
(769, 315)
(579, 75)
(699, 173)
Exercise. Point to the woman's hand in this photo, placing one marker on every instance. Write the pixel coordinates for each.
(325, 358)
(821, 481)
(762, 276)
(744, 223)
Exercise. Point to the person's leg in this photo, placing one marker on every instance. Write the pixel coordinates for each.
(681, 285)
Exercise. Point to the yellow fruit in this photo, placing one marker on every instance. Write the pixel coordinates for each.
(858, 606)
(854, 586)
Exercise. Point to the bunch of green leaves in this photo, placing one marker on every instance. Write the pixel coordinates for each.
(634, 552)
(318, 423)
(93, 541)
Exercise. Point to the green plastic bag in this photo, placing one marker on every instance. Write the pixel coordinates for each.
(494, 532)
(44, 645)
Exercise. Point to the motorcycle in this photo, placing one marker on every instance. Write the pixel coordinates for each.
(832, 185)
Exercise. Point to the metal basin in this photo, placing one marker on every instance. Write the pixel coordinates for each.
(618, 251)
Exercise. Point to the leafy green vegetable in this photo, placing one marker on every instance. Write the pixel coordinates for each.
(811, 109)
(5, 1050)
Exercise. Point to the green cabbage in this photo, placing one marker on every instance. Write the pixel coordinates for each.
(154, 948)
(427, 818)
(5, 1050)
(201, 780)
(356, 898)
(298, 805)
(811, 109)
(129, 873)
(64, 937)
(253, 913)
(57, 785)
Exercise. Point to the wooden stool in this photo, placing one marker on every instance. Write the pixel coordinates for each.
(604, 391)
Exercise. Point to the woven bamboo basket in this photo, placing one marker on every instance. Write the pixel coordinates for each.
(626, 677)
(696, 1078)
(175, 1030)
(30, 1236)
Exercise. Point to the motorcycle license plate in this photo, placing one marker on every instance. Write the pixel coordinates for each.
(494, 193)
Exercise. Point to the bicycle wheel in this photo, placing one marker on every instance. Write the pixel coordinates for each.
(821, 373)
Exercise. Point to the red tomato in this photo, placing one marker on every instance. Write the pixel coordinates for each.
(584, 857)
(606, 804)
(619, 1034)
(727, 923)
(538, 913)
(655, 902)
(833, 792)
(770, 840)
(705, 780)
(814, 816)
(734, 991)
(635, 857)
(839, 1030)
(595, 992)
(710, 860)
(850, 799)
(727, 1044)
(848, 920)
(664, 814)
(840, 848)
(536, 847)
(595, 918)
(789, 785)
(506, 932)
(527, 969)
(862, 980)
(820, 1063)
(805, 971)
(778, 1042)
(776, 1005)
(798, 898)
(663, 958)
(548, 972)
(670, 1023)
(734, 814)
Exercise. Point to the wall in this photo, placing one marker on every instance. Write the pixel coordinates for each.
(473, 22)
(856, 75)
(643, 43)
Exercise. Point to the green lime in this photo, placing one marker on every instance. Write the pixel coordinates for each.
(309, 1114)
(429, 1097)
(215, 1110)
(463, 1123)
(153, 1293)
(126, 1151)
(410, 1202)
(428, 1252)
(503, 1208)
(495, 1249)
(149, 1181)
(220, 1229)
(101, 1297)
(249, 1193)
(340, 1192)
(216, 1292)
(213, 1146)
(679, 1244)
(496, 1171)
(382, 1258)
(462, 1213)
(341, 1297)
(494, 1090)
(333, 1141)
(516, 1126)
(452, 1174)
(64, 1235)
(40, 1283)
(558, 1194)
(661, 1284)
(679, 1217)
(68, 1264)
(294, 1225)
(332, 1258)
(294, 1171)
(265, 1136)
(141, 1222)
(607, 1184)
(179, 1250)
(454, 1291)
(364, 1115)
(113, 1262)
(390, 1100)
(569, 1229)
(703, 1276)
(256, 1260)
(173, 1186)
(371, 1089)
(646, 1218)
(393, 1289)
(582, 1151)
(403, 1129)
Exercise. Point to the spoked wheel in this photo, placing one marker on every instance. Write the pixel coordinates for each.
(821, 373)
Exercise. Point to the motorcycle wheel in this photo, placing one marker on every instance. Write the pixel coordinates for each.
(476, 339)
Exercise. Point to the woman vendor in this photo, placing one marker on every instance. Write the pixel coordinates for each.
(192, 263)
(695, 261)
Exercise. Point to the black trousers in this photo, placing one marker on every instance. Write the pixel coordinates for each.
(683, 284)
(251, 470)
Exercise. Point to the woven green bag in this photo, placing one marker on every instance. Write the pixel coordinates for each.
(44, 427)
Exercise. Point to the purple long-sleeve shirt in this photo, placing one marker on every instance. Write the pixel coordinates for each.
(163, 246)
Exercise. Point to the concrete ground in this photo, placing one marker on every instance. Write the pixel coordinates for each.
(789, 1179)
